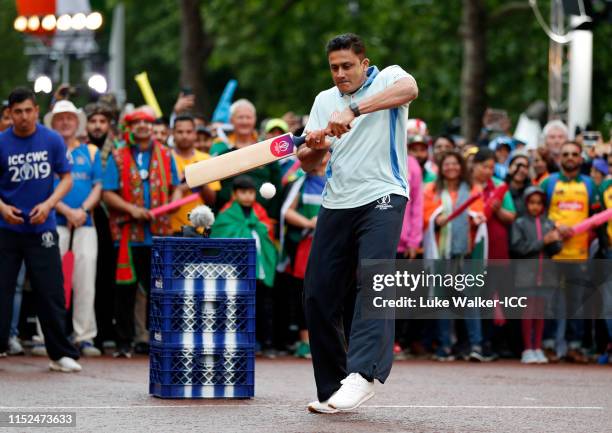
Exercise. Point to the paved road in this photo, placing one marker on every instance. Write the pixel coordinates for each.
(421, 396)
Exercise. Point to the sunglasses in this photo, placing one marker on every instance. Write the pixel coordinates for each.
(566, 154)
(521, 166)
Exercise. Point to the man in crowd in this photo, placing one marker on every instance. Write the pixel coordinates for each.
(5, 116)
(184, 154)
(99, 132)
(30, 155)
(243, 117)
(161, 130)
(140, 175)
(570, 197)
(555, 135)
(74, 221)
(419, 149)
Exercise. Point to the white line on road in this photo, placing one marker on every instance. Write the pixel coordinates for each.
(200, 406)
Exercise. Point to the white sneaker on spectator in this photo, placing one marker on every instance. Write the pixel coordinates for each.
(540, 357)
(14, 346)
(321, 407)
(88, 349)
(529, 357)
(355, 391)
(39, 349)
(65, 365)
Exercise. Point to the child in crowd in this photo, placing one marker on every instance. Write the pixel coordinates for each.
(298, 223)
(243, 217)
(534, 236)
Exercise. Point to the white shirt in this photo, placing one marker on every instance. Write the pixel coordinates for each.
(369, 161)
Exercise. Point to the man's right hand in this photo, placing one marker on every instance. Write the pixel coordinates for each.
(140, 213)
(11, 214)
(552, 236)
(184, 103)
(317, 140)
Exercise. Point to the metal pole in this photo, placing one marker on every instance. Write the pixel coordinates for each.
(580, 77)
(555, 63)
(116, 65)
(65, 68)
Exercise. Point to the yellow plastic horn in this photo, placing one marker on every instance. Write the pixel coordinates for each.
(147, 92)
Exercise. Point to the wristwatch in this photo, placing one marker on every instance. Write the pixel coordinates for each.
(355, 109)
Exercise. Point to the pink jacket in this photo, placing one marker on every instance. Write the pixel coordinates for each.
(412, 228)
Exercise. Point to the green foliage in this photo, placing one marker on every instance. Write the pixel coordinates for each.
(276, 50)
(14, 67)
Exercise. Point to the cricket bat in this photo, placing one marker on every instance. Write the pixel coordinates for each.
(242, 160)
(68, 270)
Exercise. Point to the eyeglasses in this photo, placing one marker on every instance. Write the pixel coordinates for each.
(521, 166)
(566, 154)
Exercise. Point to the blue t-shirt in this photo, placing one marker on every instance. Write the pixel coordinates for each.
(27, 168)
(86, 173)
(111, 183)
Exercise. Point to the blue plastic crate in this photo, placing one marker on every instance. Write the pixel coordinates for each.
(175, 259)
(176, 357)
(201, 313)
(201, 366)
(244, 340)
(206, 391)
(210, 287)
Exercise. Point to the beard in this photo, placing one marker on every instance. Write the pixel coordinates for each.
(97, 139)
(570, 166)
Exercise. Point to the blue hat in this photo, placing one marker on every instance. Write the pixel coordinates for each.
(502, 140)
(601, 165)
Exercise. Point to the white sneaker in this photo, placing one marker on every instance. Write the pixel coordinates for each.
(39, 349)
(15, 347)
(321, 407)
(65, 365)
(355, 391)
(529, 357)
(540, 357)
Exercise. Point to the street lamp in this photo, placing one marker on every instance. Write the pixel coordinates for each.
(43, 84)
(98, 83)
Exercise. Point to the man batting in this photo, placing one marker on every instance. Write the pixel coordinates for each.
(361, 217)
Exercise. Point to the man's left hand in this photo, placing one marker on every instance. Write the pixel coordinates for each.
(340, 122)
(39, 214)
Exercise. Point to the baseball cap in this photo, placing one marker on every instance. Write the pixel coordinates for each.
(277, 123)
(418, 138)
(601, 165)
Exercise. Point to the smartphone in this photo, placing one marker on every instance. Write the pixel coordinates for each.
(186, 91)
(591, 138)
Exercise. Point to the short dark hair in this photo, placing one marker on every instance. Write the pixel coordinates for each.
(484, 154)
(184, 118)
(244, 182)
(347, 41)
(163, 120)
(19, 95)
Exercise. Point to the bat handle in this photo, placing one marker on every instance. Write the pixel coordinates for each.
(298, 141)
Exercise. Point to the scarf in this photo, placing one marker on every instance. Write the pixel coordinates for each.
(454, 235)
(132, 191)
(232, 223)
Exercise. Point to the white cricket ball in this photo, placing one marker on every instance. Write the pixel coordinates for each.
(267, 190)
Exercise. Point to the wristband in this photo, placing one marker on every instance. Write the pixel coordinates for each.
(355, 109)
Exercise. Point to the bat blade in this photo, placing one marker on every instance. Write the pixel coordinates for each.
(241, 160)
(67, 270)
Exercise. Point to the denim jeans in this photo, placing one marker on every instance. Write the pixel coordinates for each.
(17, 301)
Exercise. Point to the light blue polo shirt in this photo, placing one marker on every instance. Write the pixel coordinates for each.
(369, 161)
(86, 173)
